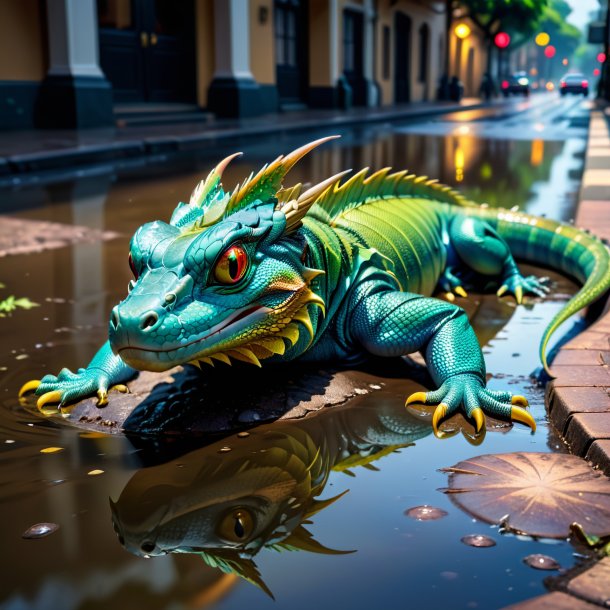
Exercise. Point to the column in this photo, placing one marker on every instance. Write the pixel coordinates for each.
(233, 91)
(75, 92)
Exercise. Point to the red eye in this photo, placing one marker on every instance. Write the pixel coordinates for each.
(133, 267)
(232, 266)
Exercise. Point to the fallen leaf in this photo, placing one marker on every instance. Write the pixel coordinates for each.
(541, 493)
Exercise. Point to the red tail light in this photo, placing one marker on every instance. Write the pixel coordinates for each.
(585, 83)
(504, 84)
(563, 83)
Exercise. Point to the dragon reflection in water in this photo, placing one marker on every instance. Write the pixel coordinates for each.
(228, 505)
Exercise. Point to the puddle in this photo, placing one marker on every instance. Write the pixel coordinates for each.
(264, 488)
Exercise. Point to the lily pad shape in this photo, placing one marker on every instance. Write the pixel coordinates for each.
(539, 494)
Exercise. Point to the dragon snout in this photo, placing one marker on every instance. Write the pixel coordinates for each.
(130, 325)
(145, 322)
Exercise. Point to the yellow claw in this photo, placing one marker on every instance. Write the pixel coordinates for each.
(102, 398)
(29, 387)
(479, 418)
(416, 397)
(54, 396)
(119, 387)
(519, 295)
(521, 415)
(438, 414)
(519, 400)
(460, 291)
(450, 296)
(502, 290)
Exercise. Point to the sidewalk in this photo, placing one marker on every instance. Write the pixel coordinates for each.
(578, 398)
(40, 150)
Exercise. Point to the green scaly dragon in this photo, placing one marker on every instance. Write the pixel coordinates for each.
(333, 272)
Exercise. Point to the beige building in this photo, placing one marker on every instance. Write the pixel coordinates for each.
(81, 63)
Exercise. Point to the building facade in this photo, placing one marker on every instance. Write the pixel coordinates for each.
(73, 63)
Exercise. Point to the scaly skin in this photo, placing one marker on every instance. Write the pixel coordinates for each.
(336, 272)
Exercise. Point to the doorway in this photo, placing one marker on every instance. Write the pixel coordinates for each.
(147, 49)
(402, 58)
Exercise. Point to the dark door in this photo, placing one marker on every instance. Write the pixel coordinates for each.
(402, 58)
(353, 54)
(290, 50)
(147, 49)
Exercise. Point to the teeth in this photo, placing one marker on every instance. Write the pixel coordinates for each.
(207, 360)
(274, 345)
(259, 350)
(302, 316)
(291, 332)
(245, 355)
(221, 357)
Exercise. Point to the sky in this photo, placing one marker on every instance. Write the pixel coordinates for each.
(580, 12)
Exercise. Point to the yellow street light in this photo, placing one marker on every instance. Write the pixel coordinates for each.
(543, 39)
(462, 31)
(565, 61)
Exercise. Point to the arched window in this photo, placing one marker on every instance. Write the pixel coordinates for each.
(424, 53)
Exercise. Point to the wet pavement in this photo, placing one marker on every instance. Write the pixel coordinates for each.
(265, 482)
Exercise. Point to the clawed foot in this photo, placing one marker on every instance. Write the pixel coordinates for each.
(517, 285)
(451, 284)
(469, 391)
(69, 387)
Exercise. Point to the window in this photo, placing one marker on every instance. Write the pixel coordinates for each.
(348, 42)
(424, 35)
(386, 52)
(352, 42)
(286, 33)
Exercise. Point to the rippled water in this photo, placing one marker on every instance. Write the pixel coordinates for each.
(382, 458)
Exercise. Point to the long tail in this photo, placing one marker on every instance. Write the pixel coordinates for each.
(557, 246)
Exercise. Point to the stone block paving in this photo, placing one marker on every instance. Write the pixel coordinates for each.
(579, 397)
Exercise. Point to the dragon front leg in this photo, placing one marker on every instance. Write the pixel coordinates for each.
(394, 323)
(104, 371)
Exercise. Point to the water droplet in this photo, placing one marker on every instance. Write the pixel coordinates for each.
(40, 530)
(447, 575)
(541, 562)
(9, 441)
(51, 449)
(478, 540)
(21, 357)
(224, 449)
(243, 434)
(95, 472)
(426, 513)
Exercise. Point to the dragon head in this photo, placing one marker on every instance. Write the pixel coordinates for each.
(226, 507)
(226, 278)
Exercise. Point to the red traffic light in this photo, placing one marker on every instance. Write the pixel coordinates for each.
(550, 51)
(601, 57)
(596, 72)
(502, 40)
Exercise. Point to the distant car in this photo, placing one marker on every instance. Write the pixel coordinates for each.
(574, 83)
(516, 83)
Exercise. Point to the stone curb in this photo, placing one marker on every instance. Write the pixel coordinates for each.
(578, 398)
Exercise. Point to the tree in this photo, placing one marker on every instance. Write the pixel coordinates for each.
(513, 16)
